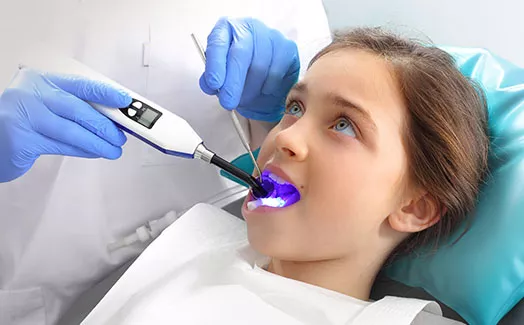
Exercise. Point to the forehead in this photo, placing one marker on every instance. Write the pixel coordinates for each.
(355, 73)
(364, 78)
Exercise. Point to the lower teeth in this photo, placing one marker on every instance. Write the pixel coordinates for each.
(252, 205)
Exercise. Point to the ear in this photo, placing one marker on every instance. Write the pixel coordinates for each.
(418, 214)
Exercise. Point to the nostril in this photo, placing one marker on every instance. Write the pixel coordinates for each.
(289, 152)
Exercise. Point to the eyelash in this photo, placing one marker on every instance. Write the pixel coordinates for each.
(341, 115)
(292, 103)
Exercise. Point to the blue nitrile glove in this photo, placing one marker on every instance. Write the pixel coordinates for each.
(46, 114)
(251, 67)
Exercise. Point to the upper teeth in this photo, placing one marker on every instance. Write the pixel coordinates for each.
(277, 179)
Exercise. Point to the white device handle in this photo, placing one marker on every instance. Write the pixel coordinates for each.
(154, 125)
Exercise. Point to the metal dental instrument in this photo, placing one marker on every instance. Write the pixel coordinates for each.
(234, 117)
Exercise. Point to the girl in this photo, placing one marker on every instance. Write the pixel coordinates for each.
(385, 140)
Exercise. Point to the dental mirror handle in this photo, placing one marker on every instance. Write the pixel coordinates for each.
(234, 117)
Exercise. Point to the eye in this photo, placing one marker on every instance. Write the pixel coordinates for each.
(294, 109)
(344, 125)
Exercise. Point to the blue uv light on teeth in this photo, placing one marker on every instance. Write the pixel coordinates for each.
(280, 193)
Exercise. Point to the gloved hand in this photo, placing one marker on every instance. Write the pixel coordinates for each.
(251, 67)
(46, 114)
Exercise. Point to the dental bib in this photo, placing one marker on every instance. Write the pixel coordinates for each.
(202, 270)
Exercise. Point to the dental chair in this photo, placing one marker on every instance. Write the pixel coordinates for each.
(385, 286)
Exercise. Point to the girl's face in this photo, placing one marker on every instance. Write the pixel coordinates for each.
(340, 143)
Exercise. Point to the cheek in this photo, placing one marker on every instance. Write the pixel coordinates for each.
(338, 212)
(337, 192)
(354, 188)
(268, 148)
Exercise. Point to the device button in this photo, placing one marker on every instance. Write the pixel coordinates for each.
(137, 105)
(131, 112)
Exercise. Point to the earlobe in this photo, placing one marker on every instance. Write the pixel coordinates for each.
(417, 215)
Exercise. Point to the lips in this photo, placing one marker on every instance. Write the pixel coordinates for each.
(277, 179)
(277, 174)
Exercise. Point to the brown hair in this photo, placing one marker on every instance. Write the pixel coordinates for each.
(446, 136)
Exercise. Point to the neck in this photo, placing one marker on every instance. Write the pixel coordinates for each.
(350, 276)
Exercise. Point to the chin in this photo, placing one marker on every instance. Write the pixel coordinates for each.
(262, 243)
(271, 246)
(273, 231)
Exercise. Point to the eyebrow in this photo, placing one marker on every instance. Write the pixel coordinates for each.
(299, 87)
(340, 101)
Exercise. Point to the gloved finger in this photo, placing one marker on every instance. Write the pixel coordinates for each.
(68, 132)
(290, 79)
(91, 90)
(48, 146)
(218, 43)
(238, 63)
(285, 63)
(260, 111)
(205, 88)
(260, 64)
(74, 109)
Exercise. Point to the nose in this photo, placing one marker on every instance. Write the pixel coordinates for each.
(292, 143)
